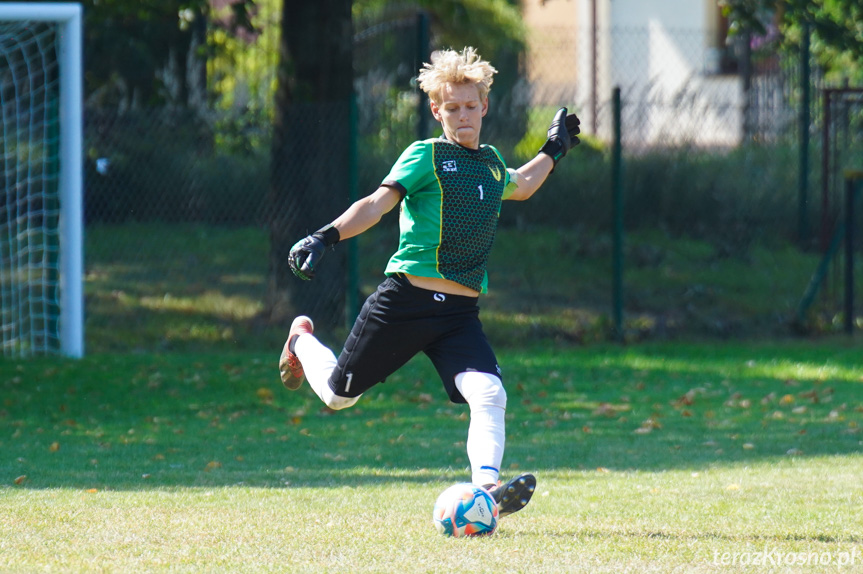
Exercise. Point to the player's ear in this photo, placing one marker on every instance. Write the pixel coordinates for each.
(484, 106)
(434, 109)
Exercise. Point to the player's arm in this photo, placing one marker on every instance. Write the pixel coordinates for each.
(529, 177)
(562, 136)
(306, 254)
(366, 212)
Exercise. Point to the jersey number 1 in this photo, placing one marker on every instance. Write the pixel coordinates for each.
(480, 193)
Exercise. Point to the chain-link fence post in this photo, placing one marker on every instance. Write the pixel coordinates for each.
(617, 201)
(352, 303)
(853, 181)
(422, 56)
(803, 179)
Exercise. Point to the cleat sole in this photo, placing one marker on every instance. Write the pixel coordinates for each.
(515, 495)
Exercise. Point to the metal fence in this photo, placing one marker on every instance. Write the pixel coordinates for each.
(149, 163)
(213, 167)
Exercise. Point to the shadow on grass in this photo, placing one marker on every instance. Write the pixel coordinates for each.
(162, 421)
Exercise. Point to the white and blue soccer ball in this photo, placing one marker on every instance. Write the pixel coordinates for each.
(465, 509)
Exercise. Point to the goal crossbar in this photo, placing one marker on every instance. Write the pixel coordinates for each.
(68, 16)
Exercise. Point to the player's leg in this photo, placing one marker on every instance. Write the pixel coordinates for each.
(304, 357)
(392, 327)
(384, 337)
(467, 366)
(486, 433)
(486, 437)
(319, 363)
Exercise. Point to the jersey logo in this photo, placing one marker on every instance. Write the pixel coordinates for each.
(495, 172)
(439, 297)
(449, 166)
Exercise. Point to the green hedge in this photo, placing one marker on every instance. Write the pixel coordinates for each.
(170, 168)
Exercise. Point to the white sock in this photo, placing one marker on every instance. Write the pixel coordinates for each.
(486, 435)
(318, 363)
(485, 442)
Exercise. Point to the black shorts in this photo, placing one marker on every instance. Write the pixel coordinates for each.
(397, 322)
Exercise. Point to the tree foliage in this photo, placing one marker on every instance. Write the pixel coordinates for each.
(836, 27)
(494, 27)
(138, 50)
(490, 26)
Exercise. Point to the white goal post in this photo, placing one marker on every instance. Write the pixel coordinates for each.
(31, 179)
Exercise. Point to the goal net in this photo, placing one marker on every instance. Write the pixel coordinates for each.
(41, 302)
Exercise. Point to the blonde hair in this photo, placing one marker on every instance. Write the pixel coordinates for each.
(449, 66)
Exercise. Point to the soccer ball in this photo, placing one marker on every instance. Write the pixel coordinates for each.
(465, 509)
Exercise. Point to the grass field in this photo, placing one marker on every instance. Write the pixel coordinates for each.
(650, 458)
(172, 446)
(165, 288)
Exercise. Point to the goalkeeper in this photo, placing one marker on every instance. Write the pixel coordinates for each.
(450, 191)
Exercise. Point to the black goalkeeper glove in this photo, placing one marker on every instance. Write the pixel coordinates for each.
(562, 135)
(307, 253)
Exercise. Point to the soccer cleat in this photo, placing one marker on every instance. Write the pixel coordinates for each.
(514, 495)
(290, 368)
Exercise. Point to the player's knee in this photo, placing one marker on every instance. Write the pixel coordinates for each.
(338, 403)
(481, 389)
(330, 395)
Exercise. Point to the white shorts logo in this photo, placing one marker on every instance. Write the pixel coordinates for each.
(439, 297)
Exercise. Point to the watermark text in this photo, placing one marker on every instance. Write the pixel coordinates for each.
(774, 557)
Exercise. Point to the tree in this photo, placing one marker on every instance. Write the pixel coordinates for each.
(310, 153)
(143, 48)
(836, 27)
(488, 25)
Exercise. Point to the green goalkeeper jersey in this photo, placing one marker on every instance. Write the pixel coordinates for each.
(451, 199)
